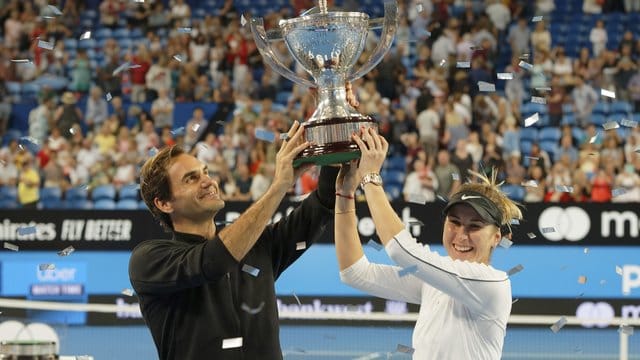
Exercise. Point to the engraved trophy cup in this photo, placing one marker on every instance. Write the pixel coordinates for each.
(327, 44)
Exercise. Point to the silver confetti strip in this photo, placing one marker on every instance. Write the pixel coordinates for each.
(419, 199)
(610, 125)
(538, 100)
(45, 45)
(559, 324)
(419, 7)
(515, 222)
(184, 30)
(625, 329)
(408, 270)
(44, 267)
(54, 10)
(265, 135)
(530, 183)
(455, 176)
(243, 20)
(525, 65)
(531, 235)
(505, 243)
(301, 245)
(536, 19)
(514, 270)
(564, 188)
(629, 123)
(284, 136)
(405, 349)
(463, 64)
(608, 93)
(250, 270)
(27, 230)
(547, 230)
(178, 57)
(246, 308)
(86, 35)
(20, 61)
(127, 292)
(442, 62)
(586, 250)
(505, 76)
(486, 87)
(66, 251)
(10, 246)
(195, 127)
(297, 299)
(374, 244)
(618, 192)
(594, 138)
(543, 88)
(232, 343)
(534, 158)
(531, 120)
(618, 270)
(109, 97)
(178, 132)
(416, 222)
(515, 301)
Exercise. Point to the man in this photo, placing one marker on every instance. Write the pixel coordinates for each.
(210, 295)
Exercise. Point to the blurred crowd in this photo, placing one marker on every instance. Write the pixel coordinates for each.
(429, 94)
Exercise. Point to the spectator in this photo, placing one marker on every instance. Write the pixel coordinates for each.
(157, 78)
(598, 37)
(499, 14)
(96, 112)
(8, 170)
(110, 11)
(261, 181)
(462, 159)
(81, 73)
(242, 180)
(584, 99)
(534, 185)
(428, 124)
(519, 35)
(162, 109)
(601, 186)
(627, 184)
(143, 86)
(180, 13)
(421, 182)
(41, 119)
(567, 149)
(514, 170)
(67, 115)
(28, 184)
(555, 101)
(541, 37)
(105, 79)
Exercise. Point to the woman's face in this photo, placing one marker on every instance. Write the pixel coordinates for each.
(467, 236)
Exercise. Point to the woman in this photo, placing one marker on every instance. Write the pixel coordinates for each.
(467, 302)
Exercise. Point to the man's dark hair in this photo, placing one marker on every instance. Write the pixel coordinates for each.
(155, 182)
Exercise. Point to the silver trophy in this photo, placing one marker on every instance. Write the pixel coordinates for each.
(327, 44)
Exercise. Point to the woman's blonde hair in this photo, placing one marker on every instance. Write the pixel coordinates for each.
(490, 188)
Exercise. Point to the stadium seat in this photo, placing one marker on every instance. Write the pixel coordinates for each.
(514, 192)
(103, 192)
(52, 203)
(525, 147)
(50, 193)
(8, 204)
(142, 205)
(88, 44)
(529, 134)
(8, 193)
(397, 162)
(549, 133)
(121, 33)
(601, 108)
(70, 43)
(80, 204)
(621, 107)
(393, 191)
(104, 204)
(578, 134)
(103, 33)
(76, 193)
(551, 147)
(128, 192)
(393, 177)
(127, 204)
(568, 119)
(598, 119)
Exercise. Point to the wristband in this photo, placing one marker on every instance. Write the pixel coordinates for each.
(345, 196)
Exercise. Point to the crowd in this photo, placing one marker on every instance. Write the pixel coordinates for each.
(427, 94)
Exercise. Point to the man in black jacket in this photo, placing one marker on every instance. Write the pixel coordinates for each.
(209, 295)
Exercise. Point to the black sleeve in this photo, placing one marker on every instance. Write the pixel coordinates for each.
(327, 186)
(165, 266)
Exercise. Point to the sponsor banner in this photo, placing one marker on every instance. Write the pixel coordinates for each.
(543, 224)
(62, 279)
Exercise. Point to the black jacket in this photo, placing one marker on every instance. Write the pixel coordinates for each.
(194, 295)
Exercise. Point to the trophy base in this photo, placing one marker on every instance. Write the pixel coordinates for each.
(329, 154)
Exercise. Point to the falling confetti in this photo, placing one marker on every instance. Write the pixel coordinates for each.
(246, 308)
(538, 100)
(405, 349)
(505, 76)
(417, 199)
(514, 270)
(564, 188)
(54, 10)
(66, 251)
(85, 35)
(408, 270)
(419, 7)
(547, 230)
(265, 135)
(618, 270)
(45, 45)
(374, 244)
(416, 222)
(531, 235)
(629, 123)
(284, 136)
(610, 125)
(505, 243)
(594, 138)
(536, 19)
(582, 279)
(525, 65)
(11, 247)
(608, 93)
(530, 183)
(195, 127)
(515, 222)
(486, 87)
(455, 176)
(533, 158)
(243, 20)
(127, 292)
(44, 267)
(442, 62)
(297, 299)
(531, 120)
(559, 324)
(178, 132)
(618, 192)
(463, 64)
(184, 30)
(178, 57)
(626, 329)
(301, 245)
(543, 89)
(27, 230)
(232, 343)
(586, 250)
(109, 97)
(250, 270)
(20, 61)
(153, 151)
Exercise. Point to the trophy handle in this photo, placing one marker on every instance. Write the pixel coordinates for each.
(390, 25)
(262, 43)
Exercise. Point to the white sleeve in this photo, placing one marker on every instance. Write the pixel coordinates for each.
(483, 289)
(382, 281)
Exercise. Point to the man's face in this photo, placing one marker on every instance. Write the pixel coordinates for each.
(195, 196)
(467, 236)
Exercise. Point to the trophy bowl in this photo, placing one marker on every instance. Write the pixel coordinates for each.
(327, 45)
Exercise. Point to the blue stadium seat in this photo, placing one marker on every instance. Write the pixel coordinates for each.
(120, 33)
(393, 177)
(127, 204)
(8, 204)
(567, 108)
(601, 108)
(578, 134)
(50, 193)
(88, 44)
(76, 193)
(568, 119)
(514, 192)
(551, 147)
(549, 133)
(282, 97)
(529, 134)
(104, 204)
(393, 191)
(103, 33)
(103, 192)
(80, 204)
(525, 147)
(142, 205)
(621, 107)
(598, 119)
(8, 193)
(397, 162)
(70, 43)
(52, 203)
(128, 192)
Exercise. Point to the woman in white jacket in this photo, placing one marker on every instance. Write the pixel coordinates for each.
(465, 303)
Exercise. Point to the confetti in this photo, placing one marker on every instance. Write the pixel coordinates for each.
(178, 57)
(582, 279)
(602, 282)
(463, 64)
(564, 188)
(178, 132)
(524, 56)
(637, 150)
(54, 10)
(417, 199)
(593, 139)
(416, 222)
(626, 329)
(250, 270)
(618, 270)
(455, 176)
(505, 243)
(243, 20)
(43, 267)
(297, 299)
(121, 68)
(408, 270)
(284, 136)
(531, 120)
(618, 192)
(534, 158)
(405, 349)
(531, 235)
(127, 292)
(27, 230)
(109, 97)
(265, 135)
(530, 183)
(184, 30)
(442, 62)
(195, 127)
(546, 230)
(419, 8)
(559, 324)
(442, 198)
(11, 247)
(514, 270)
(301, 245)
(586, 250)
(85, 35)
(536, 19)
(543, 88)
(232, 343)
(223, 222)
(608, 93)
(45, 45)
(21, 61)
(515, 222)
(505, 76)
(84, 357)
(374, 244)
(66, 251)
(246, 308)
(525, 65)
(153, 151)
(515, 301)
(486, 87)
(629, 123)
(610, 125)
(538, 100)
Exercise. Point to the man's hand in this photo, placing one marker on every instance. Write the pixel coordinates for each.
(374, 149)
(285, 175)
